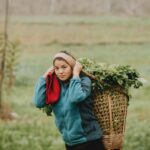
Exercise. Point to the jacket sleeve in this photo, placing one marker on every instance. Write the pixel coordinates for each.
(79, 89)
(40, 93)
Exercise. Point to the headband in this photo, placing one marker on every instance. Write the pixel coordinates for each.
(71, 61)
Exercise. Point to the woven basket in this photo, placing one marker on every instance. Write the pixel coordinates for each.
(110, 108)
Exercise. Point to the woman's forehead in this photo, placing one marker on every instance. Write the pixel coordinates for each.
(60, 63)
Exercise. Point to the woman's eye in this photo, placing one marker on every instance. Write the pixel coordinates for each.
(64, 67)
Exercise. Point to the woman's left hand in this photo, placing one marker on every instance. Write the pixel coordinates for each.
(77, 69)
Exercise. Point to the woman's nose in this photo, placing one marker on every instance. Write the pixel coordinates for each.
(60, 70)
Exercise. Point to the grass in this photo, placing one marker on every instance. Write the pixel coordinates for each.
(79, 30)
(110, 40)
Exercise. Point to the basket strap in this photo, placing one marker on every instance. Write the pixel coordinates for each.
(125, 108)
(91, 76)
(110, 114)
(110, 118)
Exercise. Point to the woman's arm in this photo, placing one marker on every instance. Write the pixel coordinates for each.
(40, 90)
(79, 88)
(40, 93)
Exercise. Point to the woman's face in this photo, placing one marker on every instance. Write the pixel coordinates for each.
(62, 70)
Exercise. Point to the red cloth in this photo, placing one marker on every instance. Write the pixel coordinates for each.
(52, 88)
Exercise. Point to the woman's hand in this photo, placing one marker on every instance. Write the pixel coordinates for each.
(48, 71)
(77, 69)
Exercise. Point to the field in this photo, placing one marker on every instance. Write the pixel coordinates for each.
(103, 39)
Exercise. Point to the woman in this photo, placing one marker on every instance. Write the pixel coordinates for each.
(73, 111)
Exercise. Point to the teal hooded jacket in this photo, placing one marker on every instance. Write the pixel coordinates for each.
(74, 110)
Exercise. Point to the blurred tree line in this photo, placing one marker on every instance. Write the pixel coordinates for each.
(78, 7)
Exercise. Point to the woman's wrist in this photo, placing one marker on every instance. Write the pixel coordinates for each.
(76, 74)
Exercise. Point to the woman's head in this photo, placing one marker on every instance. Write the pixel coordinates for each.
(63, 63)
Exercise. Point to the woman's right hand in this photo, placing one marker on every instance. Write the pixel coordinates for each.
(51, 69)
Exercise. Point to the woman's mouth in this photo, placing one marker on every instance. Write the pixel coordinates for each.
(61, 76)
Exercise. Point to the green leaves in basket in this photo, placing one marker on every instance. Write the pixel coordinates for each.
(108, 75)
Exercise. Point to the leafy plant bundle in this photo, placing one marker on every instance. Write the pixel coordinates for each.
(108, 75)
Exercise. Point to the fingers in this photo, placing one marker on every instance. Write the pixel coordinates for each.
(51, 69)
(78, 65)
(77, 69)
